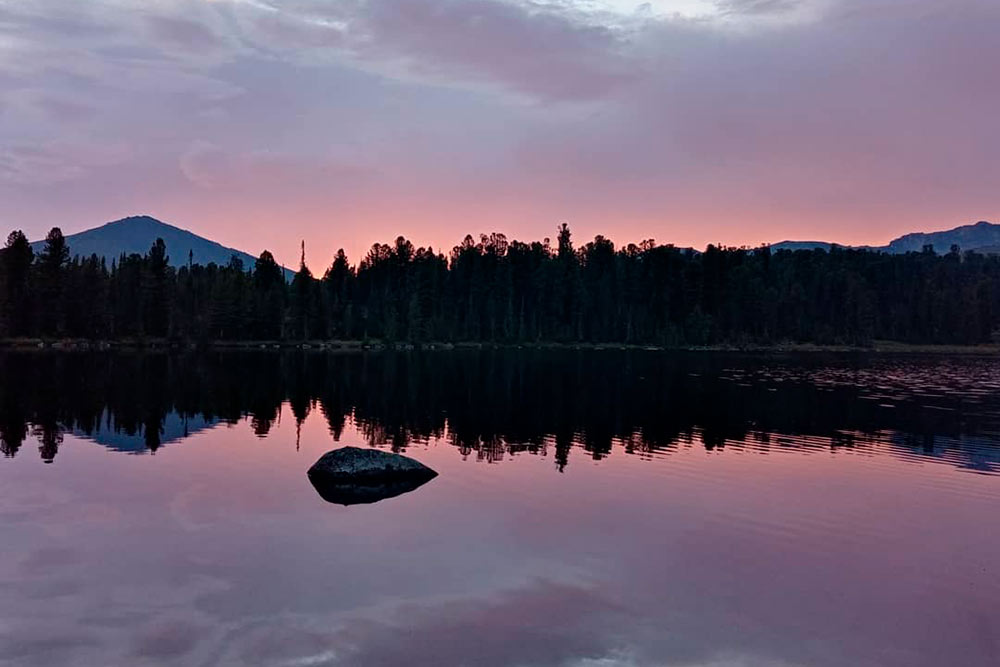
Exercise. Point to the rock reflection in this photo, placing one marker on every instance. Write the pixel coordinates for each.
(340, 493)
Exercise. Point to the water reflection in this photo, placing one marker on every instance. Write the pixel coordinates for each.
(712, 510)
(492, 404)
(363, 494)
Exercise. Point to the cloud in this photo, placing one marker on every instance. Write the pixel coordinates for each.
(758, 7)
(203, 163)
(544, 54)
(184, 33)
(56, 162)
(209, 166)
(65, 109)
(738, 121)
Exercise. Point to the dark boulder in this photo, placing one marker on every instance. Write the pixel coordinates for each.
(355, 475)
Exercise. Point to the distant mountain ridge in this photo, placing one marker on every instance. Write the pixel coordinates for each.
(136, 234)
(981, 237)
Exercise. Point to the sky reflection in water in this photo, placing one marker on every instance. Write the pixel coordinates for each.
(705, 511)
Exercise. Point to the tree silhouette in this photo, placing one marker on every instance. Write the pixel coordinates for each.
(156, 301)
(500, 291)
(15, 271)
(51, 267)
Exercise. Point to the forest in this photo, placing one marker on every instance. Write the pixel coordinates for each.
(499, 291)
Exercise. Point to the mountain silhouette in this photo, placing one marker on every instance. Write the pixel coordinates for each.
(136, 234)
(983, 237)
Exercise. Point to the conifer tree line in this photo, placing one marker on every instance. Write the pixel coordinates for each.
(495, 290)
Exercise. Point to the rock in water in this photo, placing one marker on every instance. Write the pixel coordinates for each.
(357, 464)
(355, 475)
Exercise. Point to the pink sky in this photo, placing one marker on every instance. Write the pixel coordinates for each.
(259, 123)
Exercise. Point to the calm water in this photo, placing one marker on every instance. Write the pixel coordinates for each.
(593, 509)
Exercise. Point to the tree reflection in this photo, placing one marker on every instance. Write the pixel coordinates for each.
(489, 404)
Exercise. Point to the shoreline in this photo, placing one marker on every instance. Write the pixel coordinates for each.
(153, 345)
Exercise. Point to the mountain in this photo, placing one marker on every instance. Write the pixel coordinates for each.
(983, 237)
(968, 237)
(137, 233)
(801, 245)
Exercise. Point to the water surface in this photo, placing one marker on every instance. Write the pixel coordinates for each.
(597, 508)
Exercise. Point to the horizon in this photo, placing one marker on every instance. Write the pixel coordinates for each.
(694, 121)
(447, 248)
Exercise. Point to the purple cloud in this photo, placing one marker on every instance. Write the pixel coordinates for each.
(854, 119)
(544, 54)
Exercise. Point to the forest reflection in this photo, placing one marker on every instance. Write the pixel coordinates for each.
(494, 403)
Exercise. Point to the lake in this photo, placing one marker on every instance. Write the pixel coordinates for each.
(592, 509)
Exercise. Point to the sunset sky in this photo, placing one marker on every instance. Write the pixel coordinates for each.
(259, 122)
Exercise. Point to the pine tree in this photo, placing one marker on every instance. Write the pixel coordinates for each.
(51, 268)
(15, 274)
